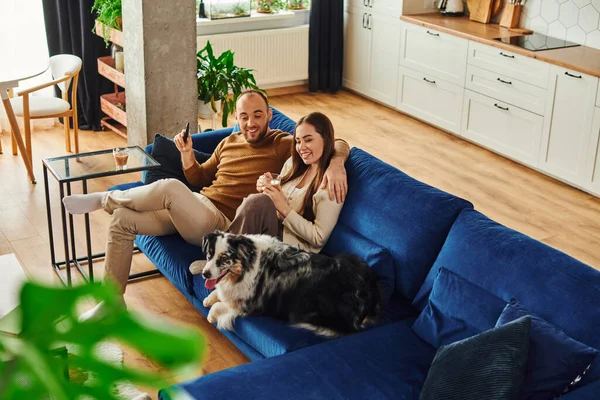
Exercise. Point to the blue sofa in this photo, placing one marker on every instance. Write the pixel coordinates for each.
(406, 231)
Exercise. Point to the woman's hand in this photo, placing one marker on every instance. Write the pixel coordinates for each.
(276, 195)
(260, 183)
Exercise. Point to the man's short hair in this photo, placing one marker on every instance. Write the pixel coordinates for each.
(257, 92)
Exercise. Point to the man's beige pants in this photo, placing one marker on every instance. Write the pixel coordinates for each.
(162, 208)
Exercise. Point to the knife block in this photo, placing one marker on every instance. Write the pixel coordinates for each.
(511, 15)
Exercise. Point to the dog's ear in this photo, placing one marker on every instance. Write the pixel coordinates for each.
(244, 249)
(207, 240)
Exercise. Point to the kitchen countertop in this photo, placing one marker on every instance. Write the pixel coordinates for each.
(581, 58)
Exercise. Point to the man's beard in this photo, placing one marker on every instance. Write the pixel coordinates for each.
(261, 135)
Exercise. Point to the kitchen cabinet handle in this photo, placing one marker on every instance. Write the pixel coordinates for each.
(427, 80)
(500, 107)
(433, 34)
(364, 23)
(365, 3)
(573, 76)
(506, 55)
(371, 3)
(369, 19)
(503, 81)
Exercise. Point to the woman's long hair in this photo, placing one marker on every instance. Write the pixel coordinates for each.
(323, 126)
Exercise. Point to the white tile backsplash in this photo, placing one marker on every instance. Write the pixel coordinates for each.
(574, 20)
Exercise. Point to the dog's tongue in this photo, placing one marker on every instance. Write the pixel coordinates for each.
(210, 284)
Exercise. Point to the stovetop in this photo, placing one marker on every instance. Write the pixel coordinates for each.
(536, 42)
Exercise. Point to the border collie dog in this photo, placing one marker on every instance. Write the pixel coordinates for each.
(260, 275)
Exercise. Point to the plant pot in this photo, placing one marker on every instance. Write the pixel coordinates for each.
(264, 7)
(205, 110)
(296, 5)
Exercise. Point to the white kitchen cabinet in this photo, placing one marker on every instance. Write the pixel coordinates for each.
(357, 51)
(434, 53)
(592, 170)
(513, 65)
(507, 89)
(502, 128)
(568, 124)
(385, 50)
(391, 8)
(430, 99)
(372, 47)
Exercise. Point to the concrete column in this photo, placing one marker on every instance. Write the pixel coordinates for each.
(160, 67)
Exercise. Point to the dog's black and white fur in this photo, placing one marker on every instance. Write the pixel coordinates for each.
(260, 275)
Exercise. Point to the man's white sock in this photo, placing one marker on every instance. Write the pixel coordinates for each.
(83, 203)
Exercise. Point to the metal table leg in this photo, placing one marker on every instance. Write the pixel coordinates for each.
(65, 237)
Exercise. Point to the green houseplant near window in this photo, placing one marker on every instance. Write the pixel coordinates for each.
(31, 369)
(219, 79)
(109, 13)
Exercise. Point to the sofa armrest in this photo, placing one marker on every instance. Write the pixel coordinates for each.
(125, 186)
(591, 391)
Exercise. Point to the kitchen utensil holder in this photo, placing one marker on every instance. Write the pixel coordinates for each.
(511, 15)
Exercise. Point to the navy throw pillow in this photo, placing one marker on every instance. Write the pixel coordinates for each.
(456, 309)
(555, 360)
(166, 153)
(487, 366)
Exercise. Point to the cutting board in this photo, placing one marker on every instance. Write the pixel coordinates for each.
(484, 10)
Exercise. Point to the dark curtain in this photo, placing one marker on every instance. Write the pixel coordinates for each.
(326, 45)
(69, 26)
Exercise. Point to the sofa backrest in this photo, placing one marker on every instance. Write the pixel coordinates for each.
(509, 264)
(407, 217)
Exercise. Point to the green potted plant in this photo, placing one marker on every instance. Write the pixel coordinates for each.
(270, 6)
(44, 349)
(220, 83)
(296, 4)
(110, 15)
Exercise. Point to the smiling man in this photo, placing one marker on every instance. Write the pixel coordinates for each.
(167, 206)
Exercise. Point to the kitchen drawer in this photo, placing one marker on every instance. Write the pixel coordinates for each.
(509, 90)
(509, 64)
(430, 99)
(501, 127)
(434, 53)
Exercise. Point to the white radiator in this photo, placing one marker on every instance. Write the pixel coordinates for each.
(277, 56)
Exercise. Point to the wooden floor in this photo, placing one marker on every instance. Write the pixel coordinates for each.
(547, 210)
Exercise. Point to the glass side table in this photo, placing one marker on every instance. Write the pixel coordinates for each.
(82, 167)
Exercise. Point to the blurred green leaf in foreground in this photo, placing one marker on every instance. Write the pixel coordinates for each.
(31, 369)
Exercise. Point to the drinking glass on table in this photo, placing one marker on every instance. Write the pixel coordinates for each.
(121, 154)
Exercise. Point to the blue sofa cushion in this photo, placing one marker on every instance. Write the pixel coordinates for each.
(407, 217)
(279, 121)
(346, 240)
(456, 310)
(555, 360)
(172, 256)
(383, 363)
(166, 153)
(508, 264)
(486, 366)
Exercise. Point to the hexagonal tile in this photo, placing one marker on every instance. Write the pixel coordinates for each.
(557, 30)
(596, 4)
(576, 34)
(562, 1)
(538, 25)
(533, 8)
(588, 18)
(581, 3)
(593, 39)
(568, 14)
(550, 10)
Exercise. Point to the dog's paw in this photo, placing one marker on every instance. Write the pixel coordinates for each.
(211, 318)
(207, 303)
(197, 266)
